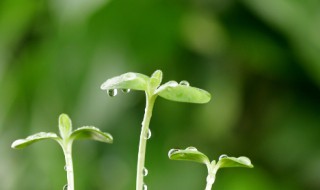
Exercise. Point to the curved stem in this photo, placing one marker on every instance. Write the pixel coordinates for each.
(67, 150)
(143, 140)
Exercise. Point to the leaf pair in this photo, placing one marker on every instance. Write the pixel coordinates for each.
(172, 90)
(66, 134)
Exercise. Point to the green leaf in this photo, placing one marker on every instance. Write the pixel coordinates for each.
(90, 132)
(188, 154)
(227, 162)
(21, 143)
(155, 80)
(65, 126)
(134, 81)
(183, 92)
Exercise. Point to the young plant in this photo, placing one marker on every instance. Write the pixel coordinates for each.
(181, 92)
(67, 136)
(192, 154)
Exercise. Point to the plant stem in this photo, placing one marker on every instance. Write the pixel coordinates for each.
(67, 149)
(143, 140)
(210, 181)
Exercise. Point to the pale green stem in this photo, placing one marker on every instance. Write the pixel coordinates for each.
(212, 170)
(143, 140)
(210, 181)
(67, 150)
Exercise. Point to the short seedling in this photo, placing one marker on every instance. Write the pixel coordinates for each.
(192, 154)
(67, 136)
(181, 92)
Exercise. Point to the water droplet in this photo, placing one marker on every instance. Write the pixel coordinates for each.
(148, 135)
(192, 148)
(223, 156)
(65, 168)
(65, 187)
(112, 92)
(172, 151)
(125, 90)
(184, 83)
(145, 172)
(145, 187)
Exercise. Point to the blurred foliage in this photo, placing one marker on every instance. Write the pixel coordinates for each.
(260, 59)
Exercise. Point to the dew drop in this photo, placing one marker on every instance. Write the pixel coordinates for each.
(65, 187)
(145, 172)
(148, 135)
(145, 187)
(172, 151)
(192, 148)
(184, 83)
(223, 156)
(65, 168)
(125, 90)
(112, 92)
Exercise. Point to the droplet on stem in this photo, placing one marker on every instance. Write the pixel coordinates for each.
(184, 83)
(112, 92)
(148, 135)
(65, 187)
(145, 172)
(145, 187)
(223, 156)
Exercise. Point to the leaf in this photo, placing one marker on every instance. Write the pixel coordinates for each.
(21, 143)
(155, 80)
(227, 162)
(134, 81)
(183, 93)
(188, 154)
(90, 132)
(65, 126)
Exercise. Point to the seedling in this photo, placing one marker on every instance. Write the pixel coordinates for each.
(192, 154)
(172, 90)
(67, 136)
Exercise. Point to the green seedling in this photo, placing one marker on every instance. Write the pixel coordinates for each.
(192, 154)
(67, 136)
(172, 90)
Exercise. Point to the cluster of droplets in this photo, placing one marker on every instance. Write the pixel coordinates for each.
(114, 92)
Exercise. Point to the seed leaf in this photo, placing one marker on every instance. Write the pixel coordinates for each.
(228, 162)
(93, 133)
(22, 143)
(188, 155)
(183, 93)
(65, 126)
(134, 81)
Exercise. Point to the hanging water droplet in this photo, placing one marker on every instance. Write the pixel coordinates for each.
(125, 90)
(192, 148)
(148, 135)
(172, 151)
(112, 92)
(65, 168)
(145, 187)
(184, 83)
(145, 172)
(223, 156)
(65, 187)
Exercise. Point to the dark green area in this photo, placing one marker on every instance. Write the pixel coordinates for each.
(259, 59)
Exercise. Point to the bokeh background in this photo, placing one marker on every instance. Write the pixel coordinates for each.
(259, 59)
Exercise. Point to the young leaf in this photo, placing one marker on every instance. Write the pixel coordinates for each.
(21, 143)
(89, 132)
(155, 80)
(188, 154)
(134, 81)
(183, 93)
(227, 162)
(65, 126)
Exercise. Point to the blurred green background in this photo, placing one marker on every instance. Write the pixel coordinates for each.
(259, 59)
